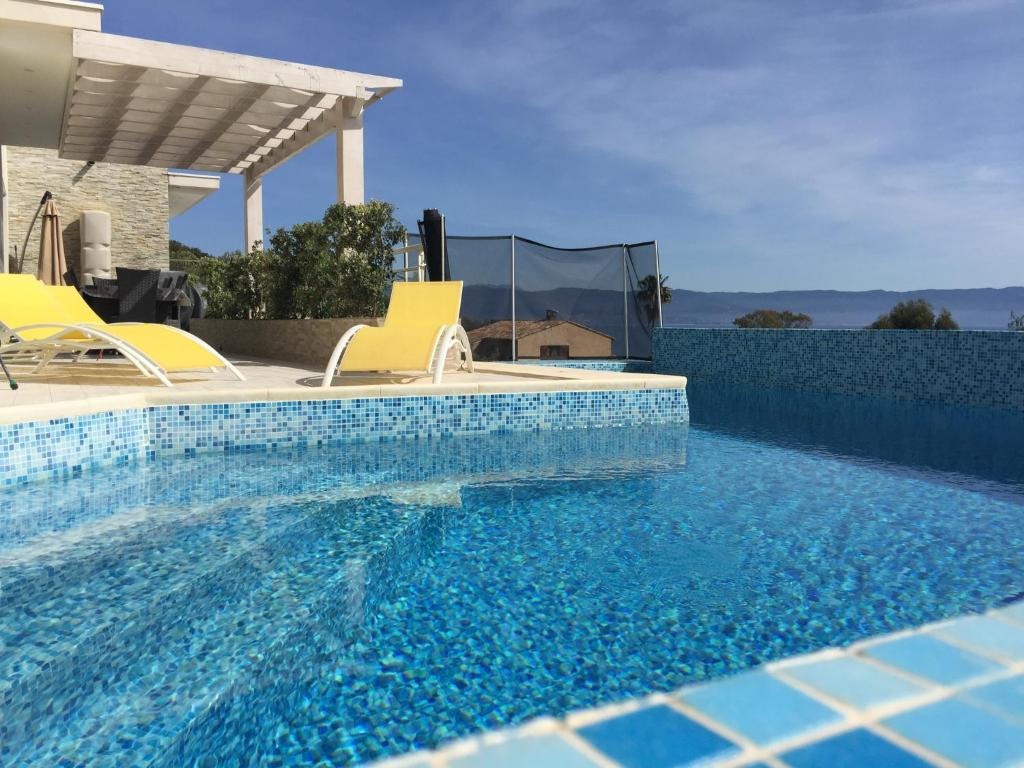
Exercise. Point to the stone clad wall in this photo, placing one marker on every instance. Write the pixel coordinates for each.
(134, 196)
(977, 368)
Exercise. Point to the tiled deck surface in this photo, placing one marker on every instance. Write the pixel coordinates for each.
(71, 389)
(947, 694)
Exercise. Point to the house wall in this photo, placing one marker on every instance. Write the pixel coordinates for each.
(581, 342)
(134, 196)
(976, 368)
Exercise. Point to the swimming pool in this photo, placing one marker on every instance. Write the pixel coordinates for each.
(349, 603)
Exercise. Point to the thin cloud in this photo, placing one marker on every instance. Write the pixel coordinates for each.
(899, 120)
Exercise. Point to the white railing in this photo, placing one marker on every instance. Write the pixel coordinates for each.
(420, 267)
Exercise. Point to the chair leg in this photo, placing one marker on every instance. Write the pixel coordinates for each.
(339, 350)
(45, 360)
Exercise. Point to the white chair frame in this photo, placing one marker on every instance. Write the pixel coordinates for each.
(43, 351)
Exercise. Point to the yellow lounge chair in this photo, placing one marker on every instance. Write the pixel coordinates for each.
(41, 322)
(421, 327)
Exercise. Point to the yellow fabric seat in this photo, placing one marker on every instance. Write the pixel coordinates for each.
(40, 322)
(173, 349)
(421, 324)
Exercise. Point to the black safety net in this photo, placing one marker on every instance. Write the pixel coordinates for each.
(529, 301)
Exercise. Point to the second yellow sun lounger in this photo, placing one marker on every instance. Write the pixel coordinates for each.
(420, 328)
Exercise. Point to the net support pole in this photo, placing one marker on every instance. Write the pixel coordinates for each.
(657, 284)
(625, 300)
(405, 258)
(515, 355)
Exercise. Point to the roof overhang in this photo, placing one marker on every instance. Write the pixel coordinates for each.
(35, 65)
(185, 190)
(71, 14)
(173, 106)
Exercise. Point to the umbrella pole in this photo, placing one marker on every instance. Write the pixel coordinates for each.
(10, 379)
(46, 196)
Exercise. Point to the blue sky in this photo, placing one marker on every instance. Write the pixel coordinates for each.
(766, 145)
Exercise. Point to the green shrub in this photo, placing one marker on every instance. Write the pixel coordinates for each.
(340, 266)
(235, 285)
(770, 318)
(915, 315)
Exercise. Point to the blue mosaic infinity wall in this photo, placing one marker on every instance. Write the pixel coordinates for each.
(67, 446)
(977, 368)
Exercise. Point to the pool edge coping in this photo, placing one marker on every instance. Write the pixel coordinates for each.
(849, 717)
(544, 381)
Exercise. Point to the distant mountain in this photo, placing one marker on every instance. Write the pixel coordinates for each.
(977, 308)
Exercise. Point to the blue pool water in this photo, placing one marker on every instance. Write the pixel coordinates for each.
(335, 606)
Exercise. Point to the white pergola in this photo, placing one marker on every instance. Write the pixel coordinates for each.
(142, 102)
(173, 106)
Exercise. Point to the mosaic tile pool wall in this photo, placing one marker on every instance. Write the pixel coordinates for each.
(975, 368)
(68, 446)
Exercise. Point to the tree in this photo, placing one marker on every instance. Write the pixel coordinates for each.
(233, 285)
(771, 318)
(915, 314)
(650, 287)
(340, 266)
(945, 321)
(1016, 322)
(182, 255)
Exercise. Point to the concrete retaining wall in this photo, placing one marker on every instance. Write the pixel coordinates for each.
(307, 342)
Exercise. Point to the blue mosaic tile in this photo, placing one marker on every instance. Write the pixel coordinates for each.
(975, 368)
(854, 681)
(657, 737)
(548, 751)
(928, 657)
(963, 733)
(987, 635)
(68, 446)
(1005, 696)
(760, 707)
(854, 749)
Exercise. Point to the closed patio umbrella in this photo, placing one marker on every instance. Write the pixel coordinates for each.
(52, 265)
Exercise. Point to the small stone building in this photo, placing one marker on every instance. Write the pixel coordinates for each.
(549, 339)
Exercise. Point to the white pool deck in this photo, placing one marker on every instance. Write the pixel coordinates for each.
(91, 386)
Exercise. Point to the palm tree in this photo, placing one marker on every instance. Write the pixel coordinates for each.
(648, 296)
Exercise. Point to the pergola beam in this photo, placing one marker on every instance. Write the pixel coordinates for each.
(119, 49)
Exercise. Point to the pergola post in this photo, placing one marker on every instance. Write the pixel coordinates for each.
(350, 151)
(253, 191)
